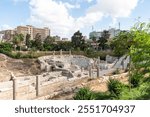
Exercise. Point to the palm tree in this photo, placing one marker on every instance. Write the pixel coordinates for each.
(18, 39)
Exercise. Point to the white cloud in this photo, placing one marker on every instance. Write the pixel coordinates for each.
(56, 15)
(6, 27)
(114, 8)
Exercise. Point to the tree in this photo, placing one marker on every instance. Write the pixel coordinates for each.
(5, 47)
(48, 43)
(103, 40)
(28, 42)
(77, 40)
(18, 39)
(38, 42)
(66, 46)
(122, 43)
(140, 53)
(95, 41)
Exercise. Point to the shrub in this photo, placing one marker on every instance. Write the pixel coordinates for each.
(135, 80)
(18, 55)
(115, 87)
(6, 47)
(103, 96)
(84, 94)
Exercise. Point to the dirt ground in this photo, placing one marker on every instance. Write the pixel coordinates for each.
(18, 67)
(97, 85)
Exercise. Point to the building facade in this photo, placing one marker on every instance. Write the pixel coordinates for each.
(112, 31)
(95, 35)
(33, 31)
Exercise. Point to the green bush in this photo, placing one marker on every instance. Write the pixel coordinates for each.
(6, 47)
(87, 94)
(84, 94)
(135, 80)
(18, 55)
(103, 96)
(115, 87)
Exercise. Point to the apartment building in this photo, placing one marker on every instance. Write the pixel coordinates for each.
(112, 31)
(33, 31)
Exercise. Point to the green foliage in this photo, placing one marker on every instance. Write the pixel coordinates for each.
(103, 96)
(28, 41)
(65, 46)
(140, 53)
(87, 94)
(77, 40)
(115, 87)
(6, 47)
(18, 55)
(84, 94)
(38, 42)
(135, 79)
(48, 43)
(122, 43)
(103, 40)
(139, 93)
(18, 39)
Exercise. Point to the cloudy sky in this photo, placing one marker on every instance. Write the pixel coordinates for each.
(64, 17)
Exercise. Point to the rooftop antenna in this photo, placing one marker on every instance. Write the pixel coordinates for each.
(119, 25)
(109, 27)
(92, 28)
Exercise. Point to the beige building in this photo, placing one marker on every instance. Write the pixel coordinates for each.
(33, 31)
(44, 32)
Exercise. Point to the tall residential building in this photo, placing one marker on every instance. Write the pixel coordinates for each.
(44, 32)
(33, 31)
(113, 32)
(95, 34)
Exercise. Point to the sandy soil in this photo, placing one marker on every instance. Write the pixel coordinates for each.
(18, 67)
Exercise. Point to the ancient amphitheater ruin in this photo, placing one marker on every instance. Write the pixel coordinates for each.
(56, 75)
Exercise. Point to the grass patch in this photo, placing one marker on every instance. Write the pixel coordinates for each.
(140, 93)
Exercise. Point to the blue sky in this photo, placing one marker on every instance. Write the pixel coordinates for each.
(64, 17)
